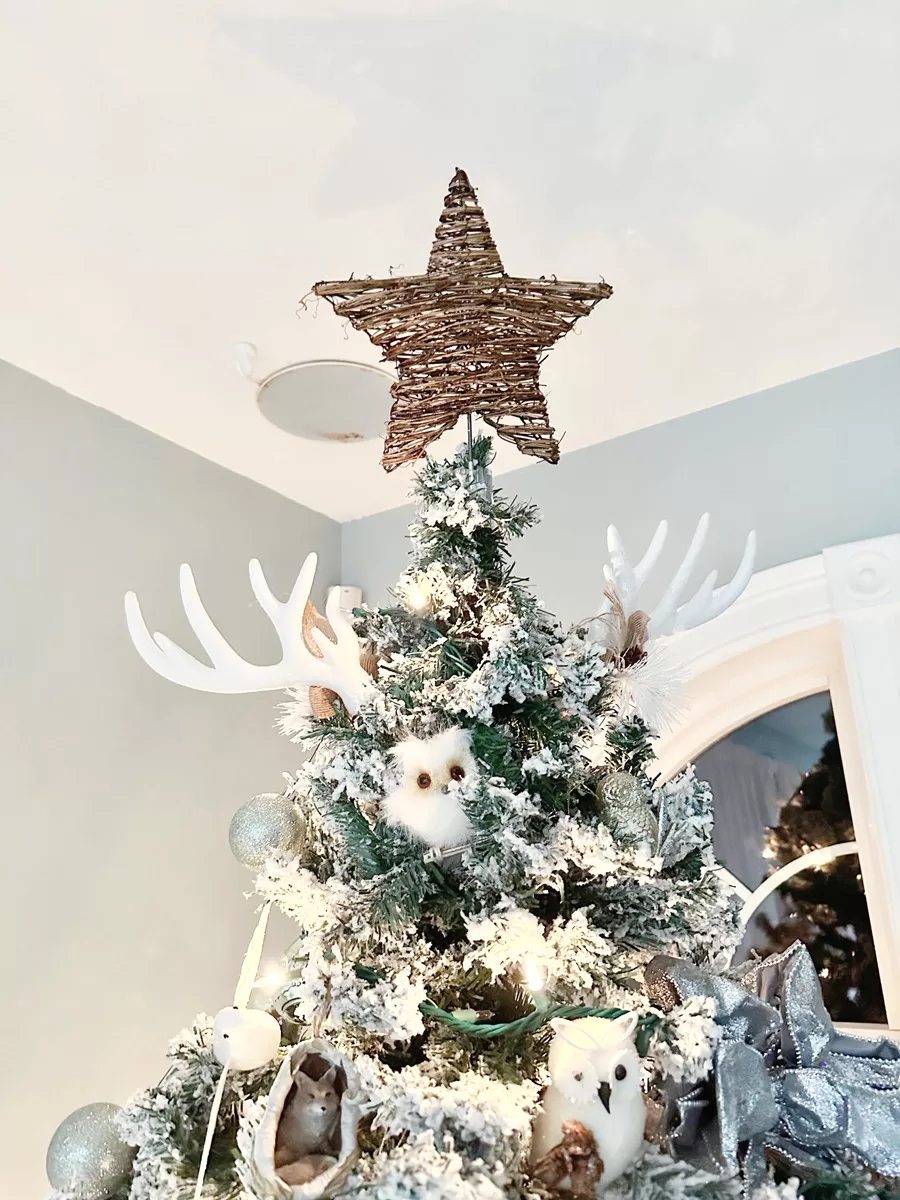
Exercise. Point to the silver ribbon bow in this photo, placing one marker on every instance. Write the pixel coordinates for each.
(785, 1085)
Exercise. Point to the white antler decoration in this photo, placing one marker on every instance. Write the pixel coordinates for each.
(668, 616)
(338, 669)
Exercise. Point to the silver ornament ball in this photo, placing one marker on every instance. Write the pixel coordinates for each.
(87, 1156)
(625, 810)
(265, 826)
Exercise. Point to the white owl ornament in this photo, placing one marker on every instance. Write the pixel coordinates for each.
(596, 1079)
(427, 801)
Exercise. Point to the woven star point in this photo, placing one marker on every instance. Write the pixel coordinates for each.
(466, 337)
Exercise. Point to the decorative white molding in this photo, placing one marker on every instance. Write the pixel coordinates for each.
(864, 582)
(753, 682)
(776, 644)
(830, 622)
(815, 858)
(776, 603)
(864, 575)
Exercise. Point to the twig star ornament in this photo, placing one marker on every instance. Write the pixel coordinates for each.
(466, 337)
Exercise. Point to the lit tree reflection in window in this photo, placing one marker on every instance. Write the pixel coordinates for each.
(824, 906)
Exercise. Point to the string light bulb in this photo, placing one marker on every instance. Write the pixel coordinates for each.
(535, 979)
(276, 979)
(416, 596)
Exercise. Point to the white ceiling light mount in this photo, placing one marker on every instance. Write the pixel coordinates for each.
(323, 399)
(245, 358)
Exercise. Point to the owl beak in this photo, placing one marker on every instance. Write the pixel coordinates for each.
(445, 790)
(604, 1091)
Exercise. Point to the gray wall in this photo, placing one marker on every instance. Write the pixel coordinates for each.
(809, 464)
(123, 911)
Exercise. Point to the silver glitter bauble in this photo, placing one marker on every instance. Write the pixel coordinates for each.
(265, 826)
(87, 1156)
(625, 810)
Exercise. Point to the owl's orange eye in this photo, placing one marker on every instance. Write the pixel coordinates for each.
(457, 773)
(424, 780)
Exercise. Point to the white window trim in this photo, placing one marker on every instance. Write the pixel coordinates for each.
(831, 622)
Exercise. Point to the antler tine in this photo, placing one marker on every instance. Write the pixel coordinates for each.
(619, 570)
(229, 673)
(158, 652)
(346, 674)
(288, 620)
(338, 669)
(287, 617)
(648, 562)
(627, 580)
(221, 654)
(722, 597)
(343, 630)
(693, 611)
(663, 617)
(668, 617)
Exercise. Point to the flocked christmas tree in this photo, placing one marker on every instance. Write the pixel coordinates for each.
(456, 887)
(510, 935)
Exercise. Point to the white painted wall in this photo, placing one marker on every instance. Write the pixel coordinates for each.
(123, 911)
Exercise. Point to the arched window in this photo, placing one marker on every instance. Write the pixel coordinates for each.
(824, 631)
(784, 830)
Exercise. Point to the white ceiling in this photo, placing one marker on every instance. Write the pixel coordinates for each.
(177, 173)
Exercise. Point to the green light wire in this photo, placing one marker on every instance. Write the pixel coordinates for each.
(536, 1019)
(530, 1023)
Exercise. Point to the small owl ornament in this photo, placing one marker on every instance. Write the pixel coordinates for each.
(427, 802)
(596, 1080)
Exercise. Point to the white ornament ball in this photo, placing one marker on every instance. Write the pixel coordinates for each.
(245, 1038)
(87, 1156)
(266, 825)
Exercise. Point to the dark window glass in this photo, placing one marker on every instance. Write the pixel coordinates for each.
(780, 793)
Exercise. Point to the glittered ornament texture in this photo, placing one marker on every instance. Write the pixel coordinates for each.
(625, 810)
(265, 826)
(87, 1156)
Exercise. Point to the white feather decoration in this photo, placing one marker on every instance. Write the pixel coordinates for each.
(652, 688)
